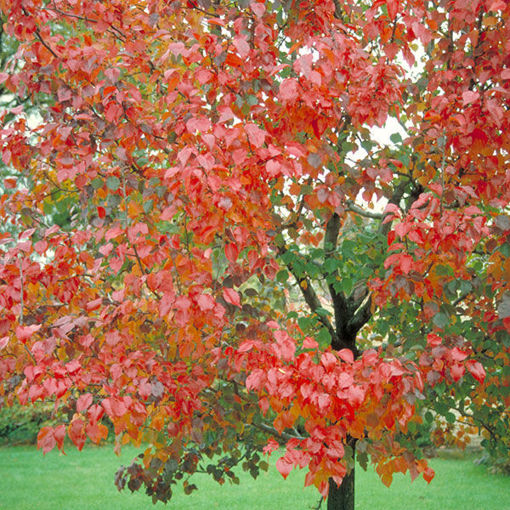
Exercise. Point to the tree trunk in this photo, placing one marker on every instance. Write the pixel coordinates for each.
(342, 498)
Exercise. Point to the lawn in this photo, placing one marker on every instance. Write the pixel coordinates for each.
(84, 481)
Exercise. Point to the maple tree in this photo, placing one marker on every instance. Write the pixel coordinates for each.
(210, 250)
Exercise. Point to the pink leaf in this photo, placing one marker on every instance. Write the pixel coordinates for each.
(25, 332)
(346, 355)
(256, 136)
(3, 342)
(310, 343)
(284, 467)
(205, 302)
(232, 297)
(469, 97)
(83, 402)
(476, 369)
(258, 9)
(288, 90)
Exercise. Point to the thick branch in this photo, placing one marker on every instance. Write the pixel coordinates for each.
(361, 316)
(343, 339)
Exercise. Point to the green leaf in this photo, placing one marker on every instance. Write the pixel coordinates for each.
(347, 285)
(348, 247)
(505, 249)
(396, 138)
(305, 323)
(367, 145)
(282, 276)
(324, 338)
(450, 417)
(362, 458)
(148, 206)
(444, 270)
(441, 320)
(331, 265)
(97, 183)
(113, 183)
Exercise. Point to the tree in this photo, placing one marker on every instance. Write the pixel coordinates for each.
(214, 160)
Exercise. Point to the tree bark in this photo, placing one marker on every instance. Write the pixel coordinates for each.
(342, 498)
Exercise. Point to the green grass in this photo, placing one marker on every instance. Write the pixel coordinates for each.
(84, 481)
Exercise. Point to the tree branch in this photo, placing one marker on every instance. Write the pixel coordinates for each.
(384, 228)
(284, 436)
(309, 295)
(351, 206)
(361, 316)
(342, 339)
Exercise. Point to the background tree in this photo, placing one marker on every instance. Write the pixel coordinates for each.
(207, 156)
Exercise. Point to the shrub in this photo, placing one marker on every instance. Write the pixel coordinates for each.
(20, 424)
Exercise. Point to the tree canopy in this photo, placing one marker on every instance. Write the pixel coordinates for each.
(210, 249)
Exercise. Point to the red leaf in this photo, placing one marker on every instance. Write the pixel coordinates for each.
(497, 5)
(232, 297)
(96, 431)
(255, 135)
(393, 6)
(60, 434)
(476, 370)
(255, 379)
(406, 262)
(95, 413)
(428, 474)
(231, 252)
(76, 433)
(328, 360)
(434, 340)
(458, 355)
(457, 371)
(270, 447)
(46, 439)
(258, 9)
(113, 112)
(242, 46)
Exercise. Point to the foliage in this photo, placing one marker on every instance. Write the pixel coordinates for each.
(21, 424)
(201, 164)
